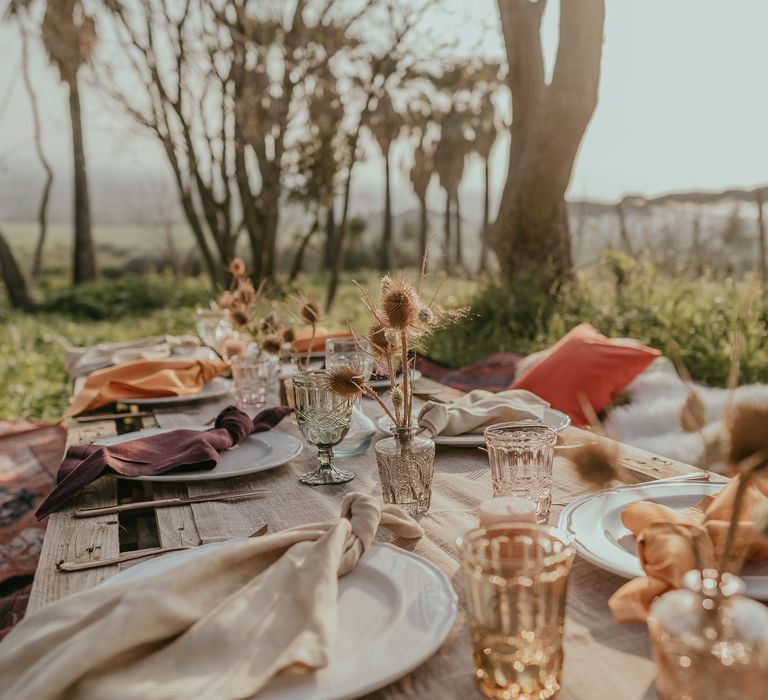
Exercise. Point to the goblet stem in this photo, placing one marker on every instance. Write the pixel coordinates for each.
(326, 473)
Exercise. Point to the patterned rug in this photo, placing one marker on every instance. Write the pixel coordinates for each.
(30, 454)
(494, 373)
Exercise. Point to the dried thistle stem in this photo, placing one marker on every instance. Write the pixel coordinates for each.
(311, 345)
(407, 398)
(370, 393)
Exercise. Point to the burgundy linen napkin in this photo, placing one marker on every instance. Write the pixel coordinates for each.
(178, 449)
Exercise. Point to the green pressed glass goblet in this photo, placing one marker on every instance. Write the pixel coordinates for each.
(323, 419)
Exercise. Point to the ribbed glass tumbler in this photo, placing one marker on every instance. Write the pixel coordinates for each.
(521, 456)
(516, 578)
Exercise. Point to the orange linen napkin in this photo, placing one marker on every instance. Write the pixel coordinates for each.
(303, 338)
(666, 539)
(143, 379)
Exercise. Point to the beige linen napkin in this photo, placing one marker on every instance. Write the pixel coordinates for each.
(82, 361)
(218, 627)
(474, 411)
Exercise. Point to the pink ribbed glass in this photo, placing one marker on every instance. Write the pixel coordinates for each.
(521, 456)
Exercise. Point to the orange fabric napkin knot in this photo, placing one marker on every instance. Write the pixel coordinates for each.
(145, 379)
(668, 542)
(304, 337)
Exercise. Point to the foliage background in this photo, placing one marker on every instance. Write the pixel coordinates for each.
(620, 297)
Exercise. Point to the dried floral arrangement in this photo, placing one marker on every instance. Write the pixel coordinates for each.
(398, 326)
(253, 314)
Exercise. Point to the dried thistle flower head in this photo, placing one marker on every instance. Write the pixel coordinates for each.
(236, 267)
(225, 300)
(693, 414)
(269, 324)
(400, 305)
(384, 285)
(245, 293)
(380, 339)
(239, 315)
(310, 312)
(289, 334)
(748, 430)
(271, 344)
(397, 397)
(715, 449)
(426, 315)
(598, 463)
(344, 382)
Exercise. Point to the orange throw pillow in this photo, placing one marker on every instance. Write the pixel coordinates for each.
(585, 363)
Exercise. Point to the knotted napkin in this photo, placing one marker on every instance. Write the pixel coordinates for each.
(304, 338)
(667, 542)
(177, 449)
(144, 379)
(82, 361)
(474, 411)
(217, 627)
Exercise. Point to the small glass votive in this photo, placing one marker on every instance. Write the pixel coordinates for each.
(521, 456)
(251, 375)
(516, 578)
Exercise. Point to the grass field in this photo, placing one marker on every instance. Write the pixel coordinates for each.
(697, 317)
(32, 374)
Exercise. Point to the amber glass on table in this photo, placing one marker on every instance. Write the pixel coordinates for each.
(516, 578)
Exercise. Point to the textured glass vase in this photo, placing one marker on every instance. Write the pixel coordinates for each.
(709, 641)
(406, 463)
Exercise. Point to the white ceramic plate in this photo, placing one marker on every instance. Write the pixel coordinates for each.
(395, 610)
(261, 451)
(559, 421)
(212, 390)
(384, 383)
(594, 522)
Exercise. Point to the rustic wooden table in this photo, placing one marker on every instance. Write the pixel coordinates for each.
(603, 659)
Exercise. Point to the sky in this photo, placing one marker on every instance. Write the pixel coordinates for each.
(683, 103)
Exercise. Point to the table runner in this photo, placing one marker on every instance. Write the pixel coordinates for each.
(603, 659)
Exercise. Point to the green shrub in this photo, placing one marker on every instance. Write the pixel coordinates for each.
(129, 295)
(621, 298)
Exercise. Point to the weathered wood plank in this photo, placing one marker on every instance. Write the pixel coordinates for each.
(641, 464)
(67, 539)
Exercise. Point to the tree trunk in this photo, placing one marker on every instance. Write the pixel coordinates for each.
(42, 212)
(530, 233)
(447, 234)
(696, 241)
(623, 231)
(84, 268)
(486, 216)
(271, 220)
(459, 244)
(15, 284)
(385, 262)
(423, 230)
(298, 260)
(340, 249)
(330, 235)
(761, 239)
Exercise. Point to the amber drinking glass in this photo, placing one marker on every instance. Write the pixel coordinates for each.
(516, 578)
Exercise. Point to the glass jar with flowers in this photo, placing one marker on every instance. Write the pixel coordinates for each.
(398, 324)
